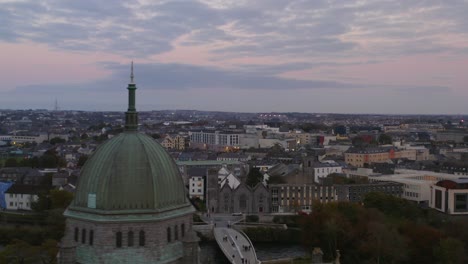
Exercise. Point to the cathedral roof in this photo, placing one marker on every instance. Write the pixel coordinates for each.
(129, 174)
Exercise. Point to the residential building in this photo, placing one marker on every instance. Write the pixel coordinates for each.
(416, 184)
(450, 196)
(358, 157)
(318, 170)
(293, 198)
(197, 187)
(217, 138)
(20, 197)
(357, 192)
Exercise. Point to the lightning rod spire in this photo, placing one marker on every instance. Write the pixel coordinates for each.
(131, 74)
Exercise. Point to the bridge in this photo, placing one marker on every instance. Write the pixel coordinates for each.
(234, 243)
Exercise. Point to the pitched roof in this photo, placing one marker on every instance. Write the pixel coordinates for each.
(27, 189)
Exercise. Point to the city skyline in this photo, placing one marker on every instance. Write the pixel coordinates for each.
(395, 57)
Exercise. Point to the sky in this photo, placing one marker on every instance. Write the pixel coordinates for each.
(316, 56)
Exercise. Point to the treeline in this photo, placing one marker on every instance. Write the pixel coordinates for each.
(386, 229)
(36, 243)
(50, 159)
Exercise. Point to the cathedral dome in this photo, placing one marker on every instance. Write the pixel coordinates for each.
(130, 172)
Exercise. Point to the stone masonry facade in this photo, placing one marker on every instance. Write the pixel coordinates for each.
(134, 242)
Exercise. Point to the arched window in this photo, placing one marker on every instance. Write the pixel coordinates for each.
(169, 235)
(76, 234)
(243, 203)
(142, 238)
(130, 238)
(176, 232)
(83, 236)
(118, 239)
(91, 237)
(182, 229)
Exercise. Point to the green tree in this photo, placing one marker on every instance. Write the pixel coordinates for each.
(19, 252)
(48, 161)
(82, 160)
(54, 199)
(57, 140)
(450, 251)
(60, 199)
(25, 162)
(383, 244)
(11, 162)
(51, 159)
(254, 177)
(385, 139)
(42, 204)
(392, 206)
(48, 251)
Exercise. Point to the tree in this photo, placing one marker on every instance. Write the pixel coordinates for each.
(392, 206)
(57, 140)
(82, 160)
(25, 162)
(60, 199)
(385, 139)
(42, 204)
(254, 177)
(11, 162)
(54, 199)
(20, 252)
(84, 136)
(384, 244)
(450, 250)
(48, 251)
(422, 239)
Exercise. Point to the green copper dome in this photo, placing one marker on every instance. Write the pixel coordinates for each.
(130, 172)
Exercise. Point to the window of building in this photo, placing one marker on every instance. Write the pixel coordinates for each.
(438, 199)
(91, 237)
(169, 235)
(461, 202)
(76, 234)
(243, 202)
(176, 232)
(118, 239)
(182, 230)
(130, 238)
(142, 238)
(83, 236)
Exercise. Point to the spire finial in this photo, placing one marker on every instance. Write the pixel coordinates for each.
(131, 74)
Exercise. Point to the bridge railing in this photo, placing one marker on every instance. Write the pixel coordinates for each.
(238, 229)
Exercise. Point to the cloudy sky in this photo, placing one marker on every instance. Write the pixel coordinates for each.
(237, 55)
